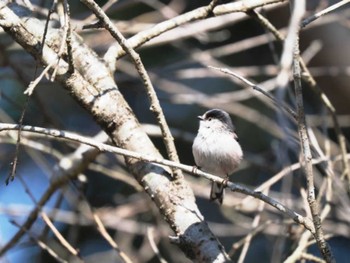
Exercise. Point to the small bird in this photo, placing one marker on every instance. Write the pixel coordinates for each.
(216, 149)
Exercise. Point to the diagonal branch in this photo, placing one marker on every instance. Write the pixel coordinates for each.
(325, 11)
(65, 135)
(115, 51)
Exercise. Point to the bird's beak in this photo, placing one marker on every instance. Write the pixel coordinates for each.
(200, 118)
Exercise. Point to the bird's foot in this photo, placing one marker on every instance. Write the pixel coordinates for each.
(225, 181)
(195, 169)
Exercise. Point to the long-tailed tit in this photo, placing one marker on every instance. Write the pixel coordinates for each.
(216, 149)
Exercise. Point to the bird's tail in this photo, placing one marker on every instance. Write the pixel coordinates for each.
(217, 192)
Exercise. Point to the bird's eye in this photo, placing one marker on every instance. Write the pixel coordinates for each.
(210, 118)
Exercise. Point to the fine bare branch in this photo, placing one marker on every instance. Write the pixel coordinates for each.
(65, 135)
(325, 11)
(305, 145)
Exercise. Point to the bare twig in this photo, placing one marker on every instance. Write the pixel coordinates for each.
(115, 51)
(101, 228)
(14, 163)
(287, 54)
(312, 258)
(29, 91)
(305, 145)
(253, 232)
(325, 11)
(59, 236)
(42, 245)
(66, 40)
(189, 169)
(281, 105)
(150, 236)
(242, 6)
(249, 237)
(304, 221)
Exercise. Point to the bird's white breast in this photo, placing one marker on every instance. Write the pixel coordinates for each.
(216, 152)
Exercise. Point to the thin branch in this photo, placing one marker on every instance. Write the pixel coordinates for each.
(332, 111)
(31, 87)
(150, 237)
(283, 106)
(66, 39)
(305, 145)
(115, 51)
(42, 245)
(257, 230)
(189, 169)
(243, 6)
(59, 236)
(304, 221)
(311, 258)
(29, 91)
(14, 163)
(325, 11)
(71, 67)
(103, 231)
(288, 45)
(249, 237)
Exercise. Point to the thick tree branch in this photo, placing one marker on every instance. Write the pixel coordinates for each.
(155, 104)
(94, 88)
